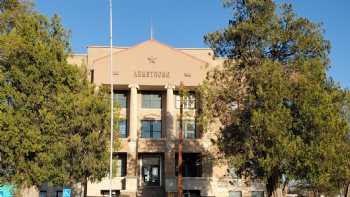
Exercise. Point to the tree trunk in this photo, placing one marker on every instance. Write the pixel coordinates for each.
(347, 187)
(273, 186)
(84, 185)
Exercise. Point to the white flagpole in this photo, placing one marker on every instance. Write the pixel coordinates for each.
(111, 81)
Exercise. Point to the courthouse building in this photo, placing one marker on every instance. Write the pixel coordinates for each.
(147, 78)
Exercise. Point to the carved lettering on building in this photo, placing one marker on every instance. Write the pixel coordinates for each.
(151, 74)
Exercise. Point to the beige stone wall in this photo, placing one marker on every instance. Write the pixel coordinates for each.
(153, 66)
(78, 59)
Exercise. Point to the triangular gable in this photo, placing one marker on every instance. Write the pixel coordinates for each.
(151, 63)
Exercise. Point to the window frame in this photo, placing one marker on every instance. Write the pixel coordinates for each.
(229, 193)
(198, 172)
(150, 100)
(232, 173)
(254, 193)
(59, 193)
(42, 193)
(120, 94)
(185, 130)
(190, 193)
(105, 193)
(118, 126)
(189, 101)
(119, 170)
(151, 131)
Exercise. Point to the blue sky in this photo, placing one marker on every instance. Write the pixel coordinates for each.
(182, 23)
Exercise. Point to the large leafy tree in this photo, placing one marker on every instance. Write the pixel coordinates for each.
(282, 117)
(337, 164)
(53, 122)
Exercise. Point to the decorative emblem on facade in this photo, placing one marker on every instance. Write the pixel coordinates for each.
(187, 74)
(152, 59)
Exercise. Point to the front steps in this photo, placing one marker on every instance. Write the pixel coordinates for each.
(151, 192)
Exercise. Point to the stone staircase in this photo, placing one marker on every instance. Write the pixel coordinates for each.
(150, 191)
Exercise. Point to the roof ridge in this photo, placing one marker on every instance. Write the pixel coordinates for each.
(179, 51)
(155, 41)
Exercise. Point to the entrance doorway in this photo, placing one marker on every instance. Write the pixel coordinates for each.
(151, 169)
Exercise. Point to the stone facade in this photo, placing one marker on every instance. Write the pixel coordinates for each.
(154, 67)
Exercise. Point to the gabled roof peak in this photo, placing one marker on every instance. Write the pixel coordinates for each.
(151, 42)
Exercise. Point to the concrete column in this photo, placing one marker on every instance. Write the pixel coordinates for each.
(170, 179)
(131, 179)
(133, 111)
(170, 109)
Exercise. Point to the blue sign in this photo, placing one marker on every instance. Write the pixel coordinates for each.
(66, 192)
(6, 190)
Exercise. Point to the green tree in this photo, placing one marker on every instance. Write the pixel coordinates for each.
(281, 115)
(339, 176)
(53, 122)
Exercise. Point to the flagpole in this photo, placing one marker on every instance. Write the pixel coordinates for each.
(111, 83)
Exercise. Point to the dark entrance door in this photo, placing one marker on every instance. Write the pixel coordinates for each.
(151, 170)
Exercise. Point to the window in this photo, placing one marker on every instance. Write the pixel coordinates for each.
(92, 74)
(119, 165)
(151, 129)
(115, 193)
(151, 100)
(151, 169)
(42, 194)
(235, 194)
(257, 193)
(120, 99)
(232, 173)
(192, 164)
(59, 194)
(122, 127)
(189, 128)
(192, 193)
(189, 101)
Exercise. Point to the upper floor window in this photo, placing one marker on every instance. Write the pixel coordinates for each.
(188, 127)
(92, 75)
(232, 173)
(151, 100)
(121, 99)
(189, 101)
(151, 129)
(122, 127)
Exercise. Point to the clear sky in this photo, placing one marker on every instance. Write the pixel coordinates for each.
(182, 23)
